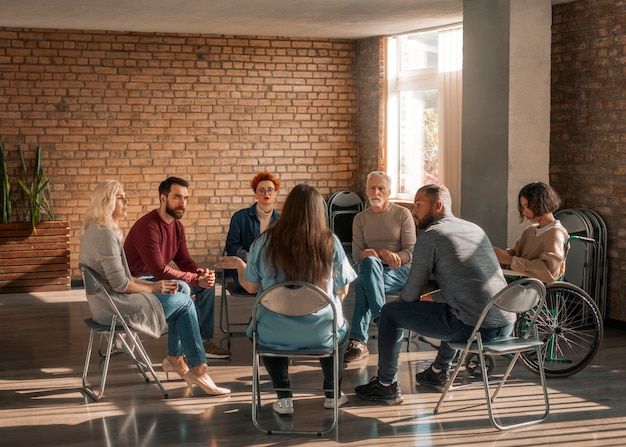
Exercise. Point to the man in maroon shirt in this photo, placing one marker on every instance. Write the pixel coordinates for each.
(157, 239)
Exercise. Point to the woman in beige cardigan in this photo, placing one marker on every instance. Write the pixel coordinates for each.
(149, 307)
(540, 250)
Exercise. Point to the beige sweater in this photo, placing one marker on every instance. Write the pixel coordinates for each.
(393, 229)
(540, 254)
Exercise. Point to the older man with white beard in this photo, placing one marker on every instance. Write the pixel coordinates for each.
(383, 237)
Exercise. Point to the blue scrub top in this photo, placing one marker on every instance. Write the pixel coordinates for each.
(290, 333)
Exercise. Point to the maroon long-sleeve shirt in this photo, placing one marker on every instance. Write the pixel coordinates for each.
(151, 245)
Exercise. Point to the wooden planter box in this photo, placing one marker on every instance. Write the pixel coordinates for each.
(34, 262)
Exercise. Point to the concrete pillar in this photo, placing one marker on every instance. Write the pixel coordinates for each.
(506, 109)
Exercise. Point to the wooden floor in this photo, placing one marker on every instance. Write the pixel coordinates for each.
(43, 340)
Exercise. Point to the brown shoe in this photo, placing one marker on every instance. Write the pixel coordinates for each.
(356, 351)
(213, 351)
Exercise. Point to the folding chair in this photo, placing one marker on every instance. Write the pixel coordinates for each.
(342, 207)
(524, 295)
(131, 344)
(229, 288)
(294, 299)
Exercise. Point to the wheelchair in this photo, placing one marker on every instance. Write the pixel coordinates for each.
(570, 324)
(571, 327)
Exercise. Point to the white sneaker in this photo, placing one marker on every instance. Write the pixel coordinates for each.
(329, 402)
(283, 406)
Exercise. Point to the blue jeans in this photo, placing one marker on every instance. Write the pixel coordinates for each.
(426, 318)
(373, 282)
(204, 302)
(183, 337)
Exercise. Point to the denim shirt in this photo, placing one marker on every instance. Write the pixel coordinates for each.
(245, 227)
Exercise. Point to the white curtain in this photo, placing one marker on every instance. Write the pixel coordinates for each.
(450, 101)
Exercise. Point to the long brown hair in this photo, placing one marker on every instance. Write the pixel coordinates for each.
(300, 244)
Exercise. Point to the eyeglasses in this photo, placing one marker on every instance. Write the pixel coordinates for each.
(270, 191)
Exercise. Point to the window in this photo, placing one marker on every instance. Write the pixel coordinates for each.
(423, 110)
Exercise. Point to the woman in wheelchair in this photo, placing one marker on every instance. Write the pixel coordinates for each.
(152, 308)
(540, 250)
(298, 247)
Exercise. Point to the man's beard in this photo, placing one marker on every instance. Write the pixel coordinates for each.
(424, 223)
(376, 202)
(175, 213)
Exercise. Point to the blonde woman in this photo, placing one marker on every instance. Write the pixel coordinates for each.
(150, 307)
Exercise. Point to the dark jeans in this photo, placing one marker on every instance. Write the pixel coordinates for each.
(427, 318)
(204, 301)
(278, 369)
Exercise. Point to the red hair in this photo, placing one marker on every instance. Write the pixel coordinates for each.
(261, 176)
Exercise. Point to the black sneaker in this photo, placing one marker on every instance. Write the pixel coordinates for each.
(355, 351)
(378, 392)
(432, 379)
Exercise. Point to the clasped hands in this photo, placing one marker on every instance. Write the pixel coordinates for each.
(206, 278)
(386, 256)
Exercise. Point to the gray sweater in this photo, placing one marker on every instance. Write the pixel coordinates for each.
(102, 251)
(460, 256)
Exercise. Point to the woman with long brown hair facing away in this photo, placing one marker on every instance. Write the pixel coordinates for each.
(298, 247)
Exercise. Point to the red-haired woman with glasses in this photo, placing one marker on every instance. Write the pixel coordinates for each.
(248, 223)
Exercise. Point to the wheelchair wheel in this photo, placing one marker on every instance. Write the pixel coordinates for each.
(571, 327)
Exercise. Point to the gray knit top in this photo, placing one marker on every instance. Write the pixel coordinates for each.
(460, 256)
(101, 250)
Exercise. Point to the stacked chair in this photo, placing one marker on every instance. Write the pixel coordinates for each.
(587, 253)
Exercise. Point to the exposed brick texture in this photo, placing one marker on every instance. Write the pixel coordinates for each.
(215, 110)
(588, 130)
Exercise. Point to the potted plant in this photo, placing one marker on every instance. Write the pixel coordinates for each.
(34, 192)
(5, 188)
(35, 248)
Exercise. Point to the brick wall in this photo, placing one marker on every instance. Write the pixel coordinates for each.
(588, 131)
(215, 110)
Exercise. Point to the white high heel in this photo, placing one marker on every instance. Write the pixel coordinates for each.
(168, 367)
(205, 383)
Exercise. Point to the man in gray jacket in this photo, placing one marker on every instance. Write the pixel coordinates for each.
(468, 274)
